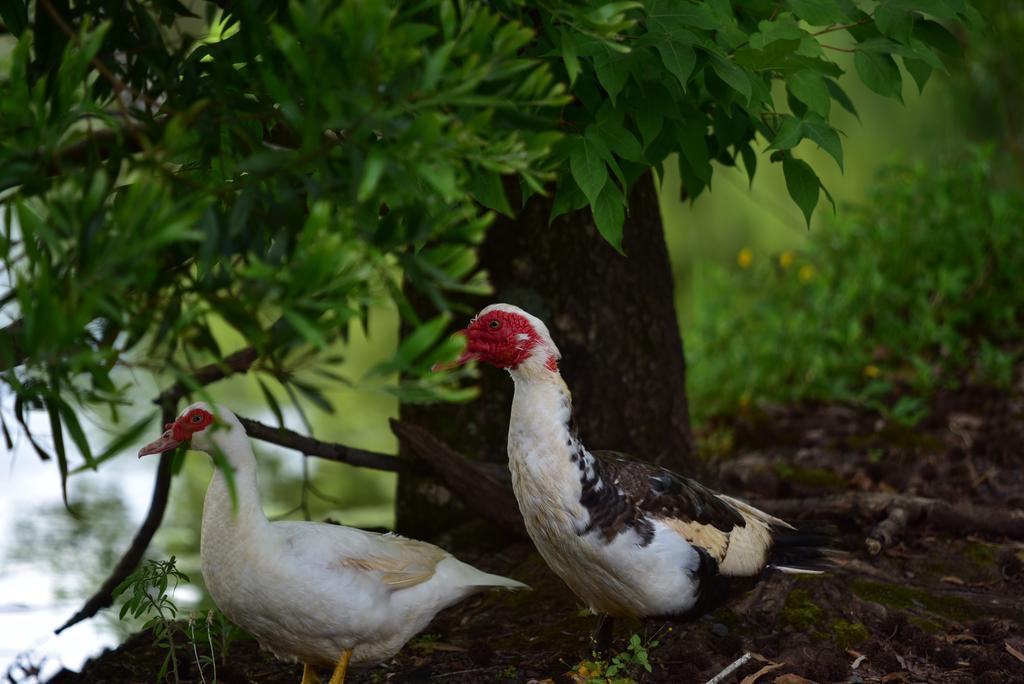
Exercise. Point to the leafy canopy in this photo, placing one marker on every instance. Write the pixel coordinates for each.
(280, 167)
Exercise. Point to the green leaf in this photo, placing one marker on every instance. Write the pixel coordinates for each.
(668, 17)
(486, 187)
(809, 87)
(58, 447)
(610, 215)
(568, 197)
(919, 70)
(612, 68)
(789, 133)
(372, 171)
(894, 19)
(769, 32)
(271, 400)
(937, 36)
(121, 442)
(74, 428)
(692, 141)
(678, 57)
(802, 184)
(572, 62)
(305, 328)
(649, 121)
(879, 73)
(15, 15)
(817, 129)
(588, 168)
(840, 96)
(749, 161)
(732, 74)
(820, 12)
(620, 140)
(314, 395)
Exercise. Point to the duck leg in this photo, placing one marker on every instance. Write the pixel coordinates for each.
(603, 634)
(309, 675)
(341, 668)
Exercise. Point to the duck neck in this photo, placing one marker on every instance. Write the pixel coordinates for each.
(233, 503)
(542, 438)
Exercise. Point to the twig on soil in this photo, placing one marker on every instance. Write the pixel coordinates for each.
(887, 532)
(872, 506)
(732, 667)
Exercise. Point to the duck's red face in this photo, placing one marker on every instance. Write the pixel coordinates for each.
(180, 431)
(501, 338)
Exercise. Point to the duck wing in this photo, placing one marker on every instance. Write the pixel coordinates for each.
(736, 535)
(393, 560)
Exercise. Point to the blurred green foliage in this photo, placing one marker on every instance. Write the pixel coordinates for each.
(916, 289)
(280, 168)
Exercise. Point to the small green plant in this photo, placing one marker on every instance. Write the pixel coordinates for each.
(623, 668)
(633, 658)
(147, 596)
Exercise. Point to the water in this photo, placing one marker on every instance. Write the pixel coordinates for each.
(47, 567)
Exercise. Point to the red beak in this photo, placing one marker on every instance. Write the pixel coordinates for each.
(165, 443)
(465, 357)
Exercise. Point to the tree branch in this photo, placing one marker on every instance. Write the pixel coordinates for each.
(485, 487)
(239, 362)
(104, 596)
(330, 451)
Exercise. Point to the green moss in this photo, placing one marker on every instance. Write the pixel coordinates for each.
(814, 478)
(927, 624)
(800, 612)
(911, 598)
(979, 553)
(730, 619)
(847, 634)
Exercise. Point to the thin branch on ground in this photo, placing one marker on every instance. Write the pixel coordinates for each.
(871, 507)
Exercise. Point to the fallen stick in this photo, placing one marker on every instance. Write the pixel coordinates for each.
(869, 507)
(732, 667)
(887, 532)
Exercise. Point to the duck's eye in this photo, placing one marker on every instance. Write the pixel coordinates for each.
(197, 418)
(494, 324)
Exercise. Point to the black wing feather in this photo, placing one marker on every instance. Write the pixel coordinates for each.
(631, 491)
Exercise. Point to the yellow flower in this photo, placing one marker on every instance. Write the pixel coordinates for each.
(805, 274)
(872, 371)
(745, 257)
(786, 259)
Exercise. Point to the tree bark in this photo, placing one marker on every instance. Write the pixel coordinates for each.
(612, 317)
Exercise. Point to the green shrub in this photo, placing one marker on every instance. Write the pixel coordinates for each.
(915, 290)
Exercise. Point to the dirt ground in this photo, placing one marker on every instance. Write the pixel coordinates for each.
(940, 606)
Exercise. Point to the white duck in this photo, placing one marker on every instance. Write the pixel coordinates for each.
(629, 538)
(319, 593)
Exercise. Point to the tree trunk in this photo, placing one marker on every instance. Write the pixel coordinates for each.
(614, 320)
